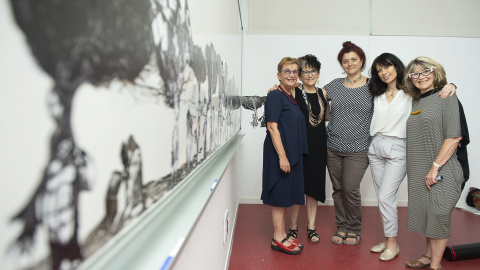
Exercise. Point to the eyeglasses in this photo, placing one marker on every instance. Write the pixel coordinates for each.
(309, 72)
(425, 73)
(290, 72)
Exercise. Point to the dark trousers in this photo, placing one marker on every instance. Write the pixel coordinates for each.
(346, 171)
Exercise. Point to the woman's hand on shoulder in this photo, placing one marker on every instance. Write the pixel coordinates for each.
(447, 90)
(273, 88)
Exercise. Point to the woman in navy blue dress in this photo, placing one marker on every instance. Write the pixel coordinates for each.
(283, 150)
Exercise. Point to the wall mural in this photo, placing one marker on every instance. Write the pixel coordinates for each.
(146, 46)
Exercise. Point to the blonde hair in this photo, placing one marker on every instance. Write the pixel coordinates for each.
(424, 62)
(287, 61)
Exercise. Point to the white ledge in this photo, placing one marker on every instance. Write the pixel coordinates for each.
(153, 240)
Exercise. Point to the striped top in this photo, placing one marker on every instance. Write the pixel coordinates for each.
(351, 113)
(429, 210)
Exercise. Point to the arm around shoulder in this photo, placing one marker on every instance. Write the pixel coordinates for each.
(327, 108)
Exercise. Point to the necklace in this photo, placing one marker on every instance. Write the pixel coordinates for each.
(424, 106)
(314, 120)
(289, 96)
(354, 81)
(393, 93)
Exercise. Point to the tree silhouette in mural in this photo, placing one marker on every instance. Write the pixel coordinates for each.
(253, 103)
(232, 103)
(221, 111)
(173, 45)
(213, 63)
(200, 71)
(75, 42)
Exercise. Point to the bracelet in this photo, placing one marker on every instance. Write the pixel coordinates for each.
(454, 85)
(436, 165)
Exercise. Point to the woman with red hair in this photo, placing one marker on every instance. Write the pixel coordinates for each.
(348, 141)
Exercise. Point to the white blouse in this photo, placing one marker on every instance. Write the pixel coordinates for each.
(391, 119)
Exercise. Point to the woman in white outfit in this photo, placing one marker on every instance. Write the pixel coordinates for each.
(387, 152)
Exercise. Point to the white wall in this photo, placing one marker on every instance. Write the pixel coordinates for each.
(309, 17)
(448, 18)
(263, 52)
(204, 247)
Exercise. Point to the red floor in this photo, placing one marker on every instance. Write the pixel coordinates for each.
(253, 233)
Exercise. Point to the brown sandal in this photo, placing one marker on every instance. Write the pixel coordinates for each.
(337, 234)
(418, 264)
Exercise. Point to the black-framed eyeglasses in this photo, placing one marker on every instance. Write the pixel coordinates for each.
(309, 72)
(425, 73)
(290, 72)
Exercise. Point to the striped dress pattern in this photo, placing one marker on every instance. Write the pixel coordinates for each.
(429, 211)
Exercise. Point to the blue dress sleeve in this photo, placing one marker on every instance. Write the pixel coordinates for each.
(273, 106)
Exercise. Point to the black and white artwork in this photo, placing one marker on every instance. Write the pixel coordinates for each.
(253, 103)
(134, 105)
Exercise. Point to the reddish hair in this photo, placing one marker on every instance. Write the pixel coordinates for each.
(348, 46)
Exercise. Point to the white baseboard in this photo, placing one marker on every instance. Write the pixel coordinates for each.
(328, 202)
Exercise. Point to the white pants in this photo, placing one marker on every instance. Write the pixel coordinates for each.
(388, 162)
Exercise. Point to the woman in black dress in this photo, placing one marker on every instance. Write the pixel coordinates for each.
(312, 101)
(283, 150)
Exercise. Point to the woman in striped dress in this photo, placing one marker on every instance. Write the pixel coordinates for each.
(434, 173)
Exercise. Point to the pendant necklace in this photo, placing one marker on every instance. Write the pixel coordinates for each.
(354, 81)
(393, 93)
(426, 103)
(289, 96)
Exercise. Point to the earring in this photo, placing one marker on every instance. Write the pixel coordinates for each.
(343, 72)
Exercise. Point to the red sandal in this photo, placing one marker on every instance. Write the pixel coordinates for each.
(297, 243)
(292, 234)
(279, 246)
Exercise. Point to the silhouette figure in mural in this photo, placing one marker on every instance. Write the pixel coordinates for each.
(125, 197)
(89, 41)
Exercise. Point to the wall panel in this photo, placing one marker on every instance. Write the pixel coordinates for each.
(310, 17)
(441, 18)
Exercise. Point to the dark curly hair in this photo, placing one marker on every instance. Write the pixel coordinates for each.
(348, 46)
(309, 60)
(376, 86)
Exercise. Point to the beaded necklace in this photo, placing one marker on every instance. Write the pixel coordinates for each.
(314, 120)
(289, 96)
(354, 81)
